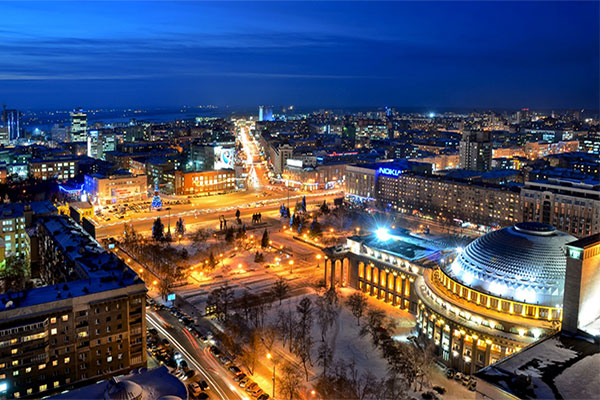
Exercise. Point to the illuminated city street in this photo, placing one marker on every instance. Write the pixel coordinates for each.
(300, 201)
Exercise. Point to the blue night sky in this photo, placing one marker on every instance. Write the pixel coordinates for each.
(424, 54)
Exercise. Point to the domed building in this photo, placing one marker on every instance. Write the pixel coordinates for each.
(499, 294)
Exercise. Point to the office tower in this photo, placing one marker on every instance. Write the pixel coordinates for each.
(475, 151)
(78, 126)
(261, 113)
(11, 119)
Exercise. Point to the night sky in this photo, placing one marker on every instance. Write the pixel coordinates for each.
(426, 54)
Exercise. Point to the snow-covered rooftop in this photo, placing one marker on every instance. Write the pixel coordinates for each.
(560, 366)
(96, 270)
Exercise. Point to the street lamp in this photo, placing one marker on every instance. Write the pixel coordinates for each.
(270, 357)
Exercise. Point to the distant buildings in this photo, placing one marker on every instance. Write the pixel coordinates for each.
(118, 188)
(570, 206)
(86, 324)
(475, 151)
(11, 119)
(79, 127)
(376, 182)
(265, 113)
(62, 167)
(204, 182)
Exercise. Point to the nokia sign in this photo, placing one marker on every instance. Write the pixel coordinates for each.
(389, 171)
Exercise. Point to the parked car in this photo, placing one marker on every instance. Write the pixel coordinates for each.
(263, 396)
(256, 392)
(234, 370)
(244, 381)
(239, 377)
(466, 380)
(202, 396)
(224, 360)
(251, 386)
(458, 376)
(203, 385)
(450, 373)
(215, 351)
(194, 388)
(472, 385)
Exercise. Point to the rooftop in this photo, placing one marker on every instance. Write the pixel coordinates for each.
(95, 269)
(401, 243)
(560, 366)
(155, 384)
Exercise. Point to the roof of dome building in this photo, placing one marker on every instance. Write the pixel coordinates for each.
(525, 263)
(123, 390)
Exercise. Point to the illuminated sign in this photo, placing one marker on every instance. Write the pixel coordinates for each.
(389, 171)
(575, 253)
(171, 297)
(224, 158)
(294, 163)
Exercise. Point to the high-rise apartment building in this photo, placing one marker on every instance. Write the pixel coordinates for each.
(78, 126)
(85, 325)
(475, 151)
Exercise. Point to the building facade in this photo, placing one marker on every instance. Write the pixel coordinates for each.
(205, 182)
(113, 189)
(450, 200)
(62, 168)
(571, 207)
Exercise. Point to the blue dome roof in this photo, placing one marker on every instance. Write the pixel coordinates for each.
(525, 263)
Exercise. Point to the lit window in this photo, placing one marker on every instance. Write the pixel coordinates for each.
(53, 320)
(67, 360)
(15, 362)
(28, 370)
(65, 317)
(53, 331)
(41, 366)
(54, 363)
(14, 351)
(56, 383)
(43, 387)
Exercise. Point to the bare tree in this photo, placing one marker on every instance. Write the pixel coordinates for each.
(252, 350)
(286, 323)
(324, 356)
(289, 381)
(358, 304)
(326, 312)
(303, 340)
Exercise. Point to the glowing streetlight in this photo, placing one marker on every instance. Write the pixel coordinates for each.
(270, 357)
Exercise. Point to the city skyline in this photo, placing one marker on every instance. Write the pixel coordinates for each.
(434, 55)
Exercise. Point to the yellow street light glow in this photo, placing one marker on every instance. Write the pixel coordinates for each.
(155, 282)
(269, 356)
(141, 269)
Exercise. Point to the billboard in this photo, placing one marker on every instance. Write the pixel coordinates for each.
(224, 157)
